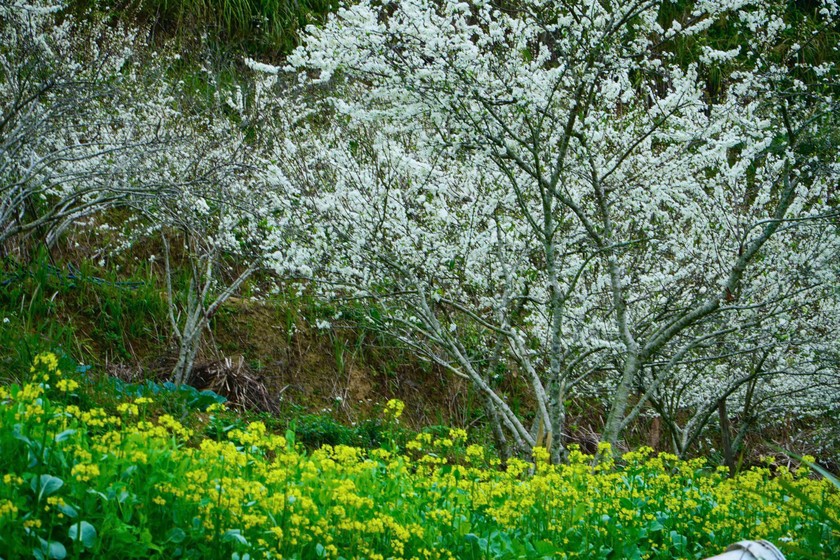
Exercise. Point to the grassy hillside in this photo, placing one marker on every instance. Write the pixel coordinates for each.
(114, 318)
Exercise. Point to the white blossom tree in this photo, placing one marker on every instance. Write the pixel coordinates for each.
(544, 188)
(230, 225)
(80, 128)
(92, 121)
(222, 211)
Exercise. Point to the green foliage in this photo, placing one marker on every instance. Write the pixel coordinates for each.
(90, 313)
(180, 399)
(123, 480)
(812, 505)
(265, 27)
(316, 430)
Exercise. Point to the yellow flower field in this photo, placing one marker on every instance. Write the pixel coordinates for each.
(123, 483)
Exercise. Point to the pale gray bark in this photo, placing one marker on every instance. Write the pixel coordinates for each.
(198, 309)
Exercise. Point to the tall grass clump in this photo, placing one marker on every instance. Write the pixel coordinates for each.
(262, 26)
(88, 312)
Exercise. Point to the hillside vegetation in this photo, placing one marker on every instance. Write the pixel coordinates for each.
(418, 279)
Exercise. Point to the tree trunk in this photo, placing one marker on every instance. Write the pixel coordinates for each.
(501, 442)
(726, 437)
(655, 433)
(615, 419)
(186, 359)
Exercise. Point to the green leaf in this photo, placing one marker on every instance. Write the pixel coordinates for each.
(320, 551)
(17, 433)
(64, 435)
(544, 548)
(56, 551)
(52, 550)
(462, 525)
(234, 535)
(176, 535)
(804, 498)
(46, 485)
(68, 510)
(84, 532)
(830, 477)
(632, 552)
(678, 540)
(98, 493)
